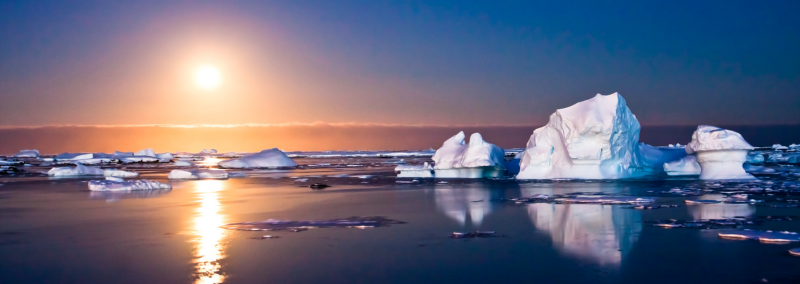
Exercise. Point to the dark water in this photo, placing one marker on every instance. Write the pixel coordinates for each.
(56, 231)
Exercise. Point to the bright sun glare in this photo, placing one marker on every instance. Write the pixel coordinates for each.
(207, 77)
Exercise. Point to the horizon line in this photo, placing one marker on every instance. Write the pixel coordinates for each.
(319, 124)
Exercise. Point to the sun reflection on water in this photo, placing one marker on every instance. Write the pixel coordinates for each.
(208, 235)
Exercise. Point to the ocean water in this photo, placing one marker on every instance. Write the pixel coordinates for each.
(56, 231)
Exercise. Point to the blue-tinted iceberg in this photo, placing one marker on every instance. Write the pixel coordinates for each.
(593, 139)
(720, 153)
(271, 158)
(686, 166)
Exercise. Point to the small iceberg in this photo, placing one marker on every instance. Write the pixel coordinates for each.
(423, 171)
(28, 153)
(198, 174)
(182, 163)
(271, 158)
(457, 159)
(131, 185)
(720, 153)
(82, 170)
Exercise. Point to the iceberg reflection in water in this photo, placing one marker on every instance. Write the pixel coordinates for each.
(464, 204)
(208, 235)
(599, 233)
(720, 210)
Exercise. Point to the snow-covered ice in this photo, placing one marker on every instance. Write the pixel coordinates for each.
(720, 153)
(594, 139)
(198, 174)
(131, 185)
(271, 158)
(83, 170)
(28, 153)
(78, 170)
(425, 171)
(686, 166)
(181, 163)
(456, 159)
(146, 152)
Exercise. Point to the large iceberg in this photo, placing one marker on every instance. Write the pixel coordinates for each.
(32, 153)
(720, 153)
(593, 139)
(270, 158)
(198, 174)
(456, 159)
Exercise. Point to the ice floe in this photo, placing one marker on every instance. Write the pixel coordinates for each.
(181, 163)
(198, 174)
(762, 236)
(720, 153)
(82, 170)
(28, 153)
(423, 171)
(271, 158)
(131, 185)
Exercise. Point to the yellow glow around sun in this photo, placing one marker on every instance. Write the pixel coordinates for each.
(207, 77)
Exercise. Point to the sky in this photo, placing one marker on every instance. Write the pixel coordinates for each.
(65, 62)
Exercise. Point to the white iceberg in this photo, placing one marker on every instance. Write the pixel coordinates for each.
(82, 170)
(593, 139)
(779, 147)
(271, 158)
(28, 153)
(478, 159)
(131, 185)
(78, 170)
(164, 158)
(182, 163)
(720, 153)
(146, 152)
(209, 151)
(198, 174)
(423, 171)
(119, 173)
(686, 166)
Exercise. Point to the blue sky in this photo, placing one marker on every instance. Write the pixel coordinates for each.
(397, 62)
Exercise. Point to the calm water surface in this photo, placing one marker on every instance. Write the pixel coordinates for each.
(56, 231)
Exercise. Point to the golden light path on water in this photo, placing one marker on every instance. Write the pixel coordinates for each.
(208, 236)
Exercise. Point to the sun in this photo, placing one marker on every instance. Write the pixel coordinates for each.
(207, 77)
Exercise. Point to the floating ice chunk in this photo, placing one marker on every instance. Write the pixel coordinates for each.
(31, 153)
(120, 173)
(604, 199)
(198, 174)
(138, 159)
(181, 163)
(301, 180)
(146, 152)
(762, 236)
(78, 170)
(164, 158)
(271, 158)
(209, 151)
(117, 179)
(686, 166)
(794, 147)
(779, 147)
(720, 153)
(131, 185)
(423, 171)
(593, 139)
(755, 157)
